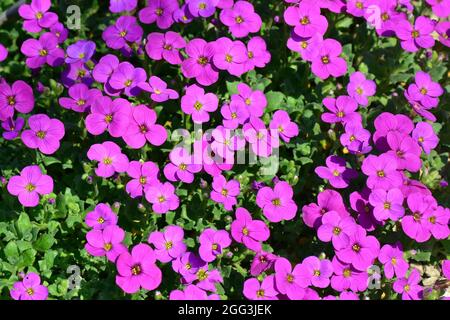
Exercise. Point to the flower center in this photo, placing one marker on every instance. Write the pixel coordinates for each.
(228, 58)
(347, 273)
(359, 5)
(304, 21)
(81, 73)
(30, 291)
(136, 270)
(394, 261)
(260, 293)
(107, 246)
(81, 102)
(385, 16)
(202, 6)
(359, 91)
(262, 259)
(128, 83)
(304, 44)
(417, 216)
(81, 55)
(202, 275)
(123, 34)
(432, 219)
(325, 60)
(224, 192)
(161, 199)
(317, 273)
(39, 15)
(108, 118)
(239, 19)
(352, 138)
(380, 173)
(415, 33)
(356, 247)
(233, 115)
(169, 245)
(100, 220)
(423, 90)
(197, 106)
(167, 47)
(245, 231)
(421, 139)
(214, 246)
(11, 100)
(157, 91)
(182, 166)
(107, 161)
(336, 231)
(202, 61)
(43, 52)
(336, 173)
(387, 205)
(143, 180)
(407, 288)
(276, 202)
(250, 55)
(159, 11)
(30, 187)
(187, 266)
(340, 114)
(290, 278)
(143, 128)
(40, 134)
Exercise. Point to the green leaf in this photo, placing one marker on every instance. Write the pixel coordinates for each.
(24, 225)
(274, 100)
(44, 242)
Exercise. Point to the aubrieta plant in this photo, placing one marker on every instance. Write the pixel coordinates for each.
(221, 149)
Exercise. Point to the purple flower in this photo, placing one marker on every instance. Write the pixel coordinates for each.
(138, 269)
(36, 15)
(143, 128)
(212, 243)
(360, 88)
(199, 63)
(257, 53)
(105, 68)
(234, 114)
(288, 280)
(387, 204)
(225, 192)
(183, 15)
(262, 261)
(414, 225)
(111, 115)
(409, 287)
(106, 242)
(19, 96)
(425, 90)
(82, 50)
(208, 278)
(187, 265)
(343, 110)
(405, 150)
(110, 159)
(117, 6)
(286, 128)
(356, 138)
(261, 140)
(30, 288)
(436, 221)
(446, 268)
(442, 29)
(101, 217)
(248, 231)
(347, 277)
(254, 100)
(125, 30)
(424, 135)
(359, 202)
(336, 172)
(387, 122)
(44, 133)
(128, 78)
(3, 53)
(315, 272)
(441, 8)
(391, 256)
(182, 166)
(231, 56)
(241, 19)
(192, 292)
(328, 61)
(336, 229)
(165, 46)
(168, 244)
(60, 32)
(29, 185)
(76, 73)
(254, 290)
(201, 8)
(12, 128)
(277, 203)
(306, 19)
(417, 36)
(357, 8)
(144, 175)
(306, 46)
(361, 250)
(44, 50)
(382, 172)
(81, 98)
(198, 104)
(159, 11)
(162, 197)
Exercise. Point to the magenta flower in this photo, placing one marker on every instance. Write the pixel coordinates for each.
(111, 115)
(225, 192)
(262, 262)
(446, 268)
(425, 90)
(60, 32)
(336, 172)
(328, 200)
(3, 53)
(192, 292)
(125, 30)
(162, 197)
(415, 37)
(436, 221)
(44, 50)
(387, 204)
(182, 166)
(101, 217)
(262, 141)
(208, 278)
(441, 8)
(241, 19)
(306, 19)
(391, 256)
(159, 11)
(306, 46)
(144, 175)
(414, 225)
(231, 56)
(158, 90)
(18, 97)
(198, 104)
(315, 272)
(80, 51)
(110, 159)
(44, 133)
(328, 61)
(360, 88)
(424, 135)
(359, 202)
(165, 46)
(361, 250)
(143, 128)
(387, 122)
(288, 280)
(105, 68)
(199, 64)
(12, 128)
(81, 98)
(225, 144)
(106, 242)
(77, 72)
(277, 203)
(254, 100)
(183, 15)
(138, 269)
(257, 53)
(343, 110)
(117, 6)
(234, 114)
(201, 8)
(336, 229)
(356, 139)
(30, 288)
(382, 172)
(248, 231)
(405, 150)
(37, 16)
(128, 78)
(188, 265)
(442, 29)
(286, 128)
(212, 243)
(347, 277)
(168, 244)
(30, 185)
(254, 290)
(409, 287)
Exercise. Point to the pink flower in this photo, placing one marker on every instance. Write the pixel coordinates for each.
(158, 90)
(409, 287)
(306, 19)
(162, 197)
(277, 203)
(18, 97)
(231, 56)
(159, 11)
(391, 256)
(347, 277)
(254, 100)
(315, 272)
(281, 121)
(110, 159)
(81, 98)
(343, 110)
(182, 166)
(199, 63)
(226, 143)
(144, 175)
(212, 243)
(254, 290)
(127, 78)
(360, 88)
(336, 172)
(168, 244)
(30, 288)
(261, 140)
(257, 53)
(225, 192)
(44, 50)
(241, 19)
(106, 242)
(336, 229)
(234, 114)
(414, 225)
(138, 269)
(30, 185)
(36, 15)
(44, 133)
(288, 280)
(198, 104)
(101, 217)
(328, 61)
(165, 46)
(12, 128)
(248, 231)
(388, 204)
(417, 36)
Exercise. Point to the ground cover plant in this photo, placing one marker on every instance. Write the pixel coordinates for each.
(220, 149)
